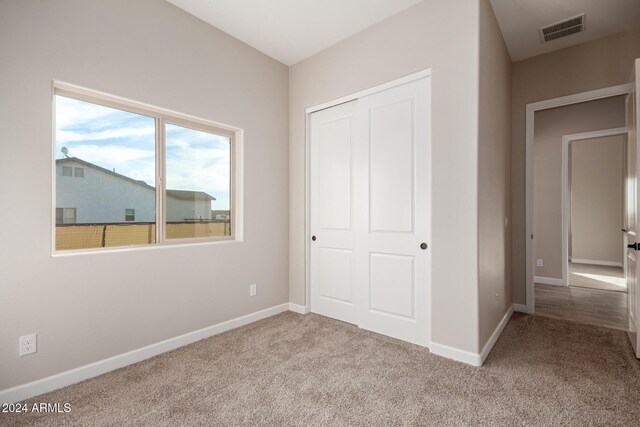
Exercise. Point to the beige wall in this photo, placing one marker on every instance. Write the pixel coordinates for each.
(550, 126)
(494, 169)
(600, 63)
(597, 196)
(405, 43)
(149, 51)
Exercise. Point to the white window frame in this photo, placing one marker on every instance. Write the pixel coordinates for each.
(162, 117)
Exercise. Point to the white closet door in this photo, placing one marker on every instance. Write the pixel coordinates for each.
(333, 284)
(370, 192)
(394, 216)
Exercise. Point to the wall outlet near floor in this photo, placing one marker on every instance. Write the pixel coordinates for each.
(252, 290)
(28, 344)
(539, 262)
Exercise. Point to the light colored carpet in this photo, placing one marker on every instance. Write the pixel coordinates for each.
(309, 370)
(600, 277)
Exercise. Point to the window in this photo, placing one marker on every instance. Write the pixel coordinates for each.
(198, 176)
(65, 216)
(126, 146)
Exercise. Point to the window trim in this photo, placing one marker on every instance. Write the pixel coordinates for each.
(162, 116)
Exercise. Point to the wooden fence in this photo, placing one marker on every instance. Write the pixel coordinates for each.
(85, 236)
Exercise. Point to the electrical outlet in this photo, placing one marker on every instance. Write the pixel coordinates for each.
(252, 290)
(539, 262)
(28, 344)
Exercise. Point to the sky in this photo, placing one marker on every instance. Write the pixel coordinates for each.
(115, 139)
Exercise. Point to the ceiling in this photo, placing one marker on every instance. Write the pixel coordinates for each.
(292, 30)
(520, 19)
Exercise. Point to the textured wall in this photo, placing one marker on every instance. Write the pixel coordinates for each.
(597, 197)
(494, 176)
(152, 52)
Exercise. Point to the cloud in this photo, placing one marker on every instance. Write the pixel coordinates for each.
(115, 139)
(70, 112)
(199, 161)
(66, 136)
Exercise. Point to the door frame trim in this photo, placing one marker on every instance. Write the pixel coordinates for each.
(307, 148)
(531, 109)
(566, 140)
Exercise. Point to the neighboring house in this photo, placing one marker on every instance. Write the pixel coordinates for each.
(221, 215)
(88, 193)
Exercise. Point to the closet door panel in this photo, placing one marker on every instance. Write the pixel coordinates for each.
(333, 282)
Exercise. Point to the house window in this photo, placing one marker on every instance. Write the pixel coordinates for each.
(65, 216)
(127, 146)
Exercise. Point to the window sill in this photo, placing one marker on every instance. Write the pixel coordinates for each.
(174, 244)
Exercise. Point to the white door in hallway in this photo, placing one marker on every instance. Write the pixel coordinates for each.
(633, 207)
(378, 276)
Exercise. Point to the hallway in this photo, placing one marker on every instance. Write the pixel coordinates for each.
(600, 277)
(583, 305)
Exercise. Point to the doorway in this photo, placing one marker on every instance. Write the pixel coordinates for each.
(575, 180)
(369, 209)
(593, 175)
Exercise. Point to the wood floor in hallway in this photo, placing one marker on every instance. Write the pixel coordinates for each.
(606, 278)
(583, 305)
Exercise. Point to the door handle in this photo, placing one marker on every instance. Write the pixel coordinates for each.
(423, 246)
(635, 246)
(313, 238)
(624, 230)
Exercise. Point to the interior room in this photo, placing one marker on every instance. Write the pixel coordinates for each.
(296, 212)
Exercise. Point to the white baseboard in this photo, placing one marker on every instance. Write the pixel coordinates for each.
(456, 354)
(495, 335)
(297, 308)
(596, 262)
(520, 308)
(468, 357)
(63, 379)
(549, 281)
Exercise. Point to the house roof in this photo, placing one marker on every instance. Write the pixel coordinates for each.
(189, 195)
(176, 194)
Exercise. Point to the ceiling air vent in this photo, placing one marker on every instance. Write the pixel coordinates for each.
(562, 29)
